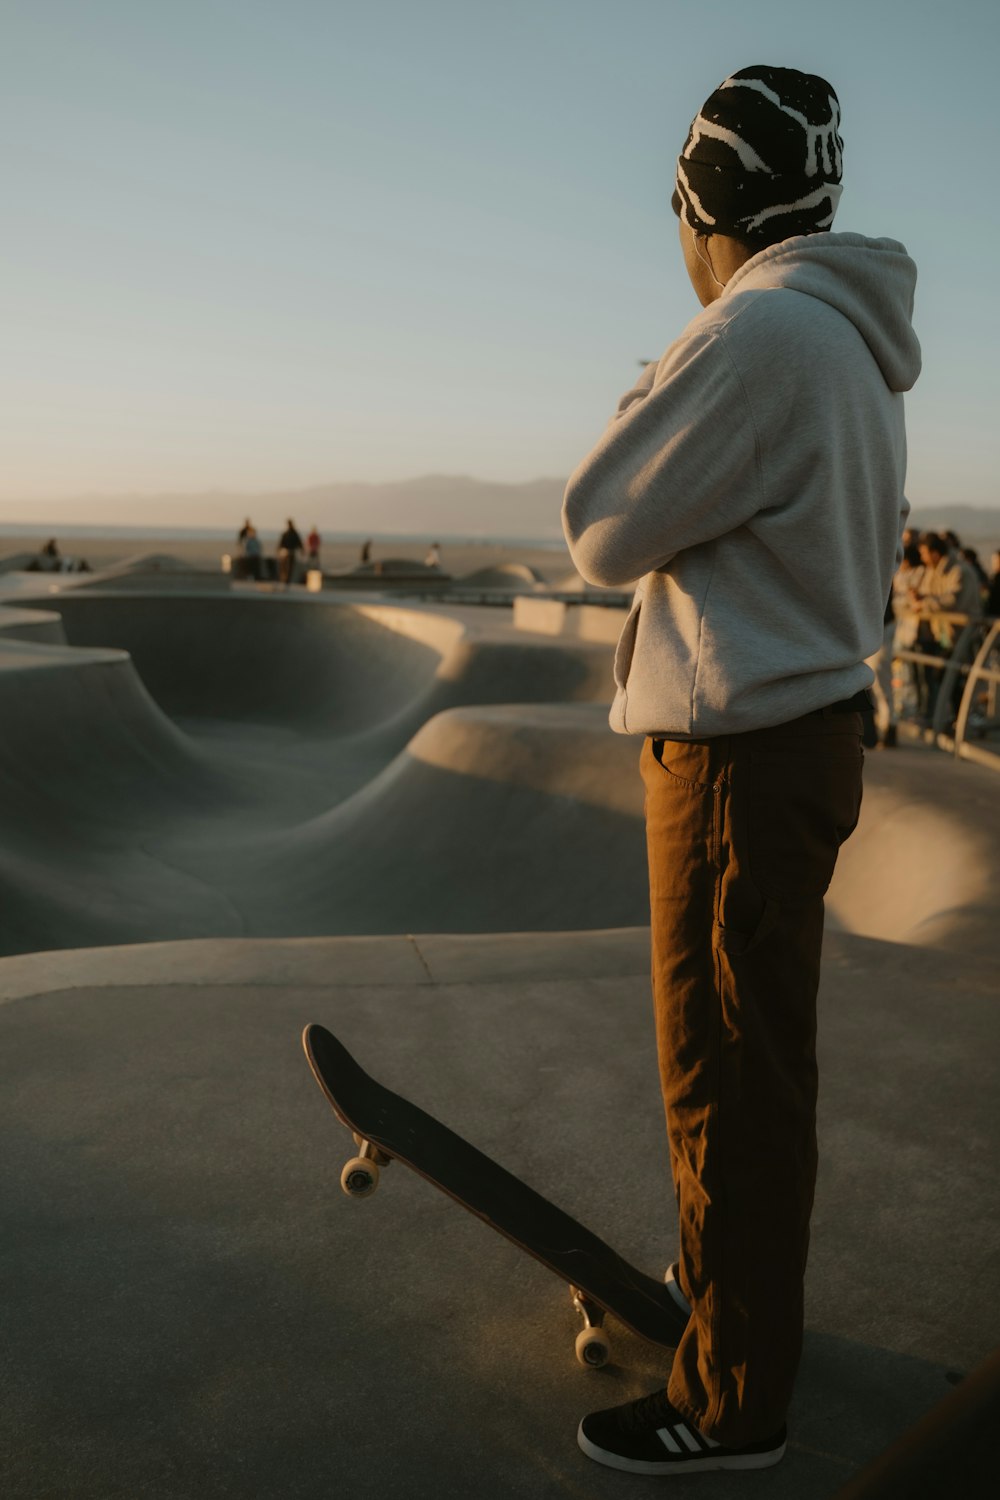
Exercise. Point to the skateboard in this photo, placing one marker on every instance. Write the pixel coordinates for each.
(388, 1128)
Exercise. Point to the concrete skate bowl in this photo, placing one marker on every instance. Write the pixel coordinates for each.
(316, 777)
(39, 626)
(262, 766)
(326, 668)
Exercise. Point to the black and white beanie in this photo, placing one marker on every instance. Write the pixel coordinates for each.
(763, 158)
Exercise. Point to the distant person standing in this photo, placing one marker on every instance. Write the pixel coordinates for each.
(947, 587)
(993, 598)
(433, 558)
(251, 549)
(289, 547)
(366, 551)
(48, 559)
(972, 558)
(904, 584)
(313, 544)
(244, 531)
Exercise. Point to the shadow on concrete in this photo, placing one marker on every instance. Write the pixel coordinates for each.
(195, 1308)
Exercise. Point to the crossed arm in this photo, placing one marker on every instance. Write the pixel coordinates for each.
(678, 465)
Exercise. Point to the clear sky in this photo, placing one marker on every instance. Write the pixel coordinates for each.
(253, 245)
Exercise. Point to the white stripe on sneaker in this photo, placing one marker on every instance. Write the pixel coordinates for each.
(673, 1287)
(668, 1440)
(690, 1439)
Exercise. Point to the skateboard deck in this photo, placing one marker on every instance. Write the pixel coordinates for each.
(390, 1128)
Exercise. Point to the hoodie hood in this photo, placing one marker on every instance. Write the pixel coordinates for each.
(871, 282)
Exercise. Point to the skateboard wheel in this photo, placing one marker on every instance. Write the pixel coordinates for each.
(359, 1179)
(592, 1348)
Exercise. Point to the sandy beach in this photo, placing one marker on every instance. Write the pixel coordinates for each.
(459, 558)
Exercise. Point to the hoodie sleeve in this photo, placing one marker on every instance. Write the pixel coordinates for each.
(676, 467)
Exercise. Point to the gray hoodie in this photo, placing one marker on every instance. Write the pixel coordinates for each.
(753, 482)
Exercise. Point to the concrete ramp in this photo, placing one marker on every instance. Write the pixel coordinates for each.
(91, 772)
(267, 659)
(352, 768)
(509, 576)
(118, 826)
(328, 667)
(83, 742)
(492, 819)
(924, 865)
(35, 625)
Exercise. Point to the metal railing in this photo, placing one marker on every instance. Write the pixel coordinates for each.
(964, 724)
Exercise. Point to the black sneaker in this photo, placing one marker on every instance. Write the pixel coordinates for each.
(649, 1437)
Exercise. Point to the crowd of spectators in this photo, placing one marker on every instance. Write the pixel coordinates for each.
(284, 566)
(939, 587)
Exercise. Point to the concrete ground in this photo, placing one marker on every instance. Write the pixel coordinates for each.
(192, 836)
(195, 1309)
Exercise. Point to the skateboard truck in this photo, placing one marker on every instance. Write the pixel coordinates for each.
(592, 1346)
(359, 1179)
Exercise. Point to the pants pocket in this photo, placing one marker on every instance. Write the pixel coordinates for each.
(689, 762)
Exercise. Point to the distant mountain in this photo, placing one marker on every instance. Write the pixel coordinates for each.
(432, 505)
(967, 521)
(449, 504)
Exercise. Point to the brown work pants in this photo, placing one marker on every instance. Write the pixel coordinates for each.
(743, 833)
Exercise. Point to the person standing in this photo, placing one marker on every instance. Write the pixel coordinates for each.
(252, 554)
(993, 597)
(289, 547)
(752, 481)
(971, 556)
(947, 587)
(907, 578)
(313, 542)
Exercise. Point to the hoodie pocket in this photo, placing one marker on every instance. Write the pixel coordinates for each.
(625, 650)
